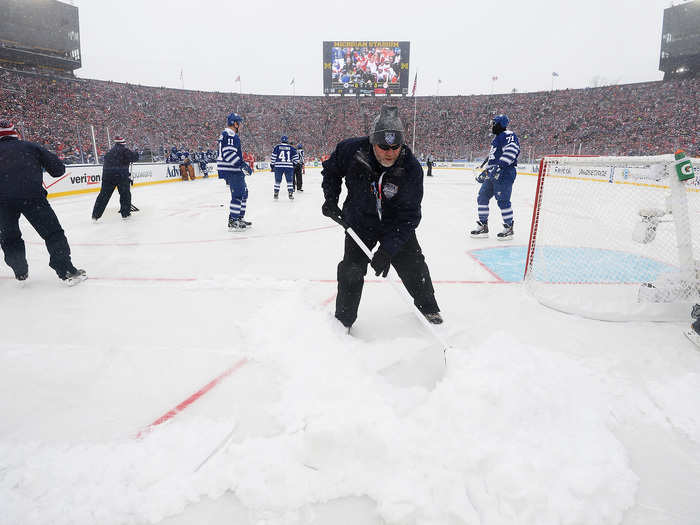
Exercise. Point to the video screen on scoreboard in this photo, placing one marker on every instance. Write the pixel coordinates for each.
(366, 67)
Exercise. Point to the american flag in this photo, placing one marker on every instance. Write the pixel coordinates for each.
(415, 81)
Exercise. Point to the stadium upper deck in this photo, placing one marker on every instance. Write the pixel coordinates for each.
(646, 118)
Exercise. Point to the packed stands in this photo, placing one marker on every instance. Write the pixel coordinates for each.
(633, 119)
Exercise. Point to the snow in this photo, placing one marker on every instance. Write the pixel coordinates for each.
(537, 418)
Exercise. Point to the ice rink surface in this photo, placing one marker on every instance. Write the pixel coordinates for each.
(253, 406)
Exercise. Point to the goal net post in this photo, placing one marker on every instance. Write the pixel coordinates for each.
(615, 238)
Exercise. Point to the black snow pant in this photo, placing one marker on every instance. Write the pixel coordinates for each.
(40, 215)
(409, 263)
(109, 182)
(430, 169)
(298, 176)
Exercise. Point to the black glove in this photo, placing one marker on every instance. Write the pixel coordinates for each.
(481, 177)
(381, 262)
(495, 171)
(330, 209)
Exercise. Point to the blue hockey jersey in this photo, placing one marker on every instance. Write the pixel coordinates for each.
(284, 156)
(230, 159)
(184, 157)
(505, 148)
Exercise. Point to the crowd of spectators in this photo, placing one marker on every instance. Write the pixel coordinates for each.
(633, 119)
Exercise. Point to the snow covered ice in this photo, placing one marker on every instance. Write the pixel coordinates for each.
(538, 418)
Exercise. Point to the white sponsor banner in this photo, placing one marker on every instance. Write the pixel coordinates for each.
(83, 178)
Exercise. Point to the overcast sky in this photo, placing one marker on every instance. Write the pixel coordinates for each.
(463, 43)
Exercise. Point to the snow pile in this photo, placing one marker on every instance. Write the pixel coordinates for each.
(512, 434)
(678, 399)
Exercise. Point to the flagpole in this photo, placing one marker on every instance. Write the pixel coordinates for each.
(413, 145)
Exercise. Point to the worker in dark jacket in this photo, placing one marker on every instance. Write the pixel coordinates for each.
(385, 189)
(115, 174)
(22, 193)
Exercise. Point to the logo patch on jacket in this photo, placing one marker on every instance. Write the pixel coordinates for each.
(390, 190)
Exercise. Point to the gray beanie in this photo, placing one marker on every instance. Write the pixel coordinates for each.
(387, 128)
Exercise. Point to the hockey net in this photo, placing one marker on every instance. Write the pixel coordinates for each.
(615, 238)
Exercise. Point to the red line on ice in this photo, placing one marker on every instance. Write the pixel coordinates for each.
(234, 237)
(471, 254)
(194, 397)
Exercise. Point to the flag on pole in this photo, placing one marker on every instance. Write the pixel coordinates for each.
(238, 78)
(181, 76)
(292, 82)
(415, 81)
(555, 74)
(494, 78)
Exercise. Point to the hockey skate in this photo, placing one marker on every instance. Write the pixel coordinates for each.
(291, 196)
(482, 230)
(433, 318)
(248, 224)
(236, 225)
(74, 276)
(276, 195)
(507, 233)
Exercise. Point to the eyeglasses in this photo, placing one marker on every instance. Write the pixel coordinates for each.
(387, 148)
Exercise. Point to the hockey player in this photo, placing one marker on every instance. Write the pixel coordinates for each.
(498, 178)
(173, 156)
(282, 161)
(115, 174)
(385, 189)
(202, 160)
(233, 170)
(299, 169)
(22, 193)
(186, 168)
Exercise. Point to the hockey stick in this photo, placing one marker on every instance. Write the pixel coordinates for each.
(399, 290)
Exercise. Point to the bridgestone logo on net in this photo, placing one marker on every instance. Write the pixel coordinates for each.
(593, 173)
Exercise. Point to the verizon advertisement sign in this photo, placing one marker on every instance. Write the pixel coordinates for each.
(86, 178)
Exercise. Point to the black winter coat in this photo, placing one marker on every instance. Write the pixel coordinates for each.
(401, 192)
(117, 160)
(21, 169)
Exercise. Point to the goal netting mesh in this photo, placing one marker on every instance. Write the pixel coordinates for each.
(615, 238)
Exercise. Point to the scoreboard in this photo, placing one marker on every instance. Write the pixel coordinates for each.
(366, 67)
(680, 41)
(40, 33)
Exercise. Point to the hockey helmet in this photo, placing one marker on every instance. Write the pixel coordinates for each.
(501, 120)
(233, 117)
(284, 139)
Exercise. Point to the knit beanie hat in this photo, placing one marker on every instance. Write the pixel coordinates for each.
(7, 129)
(387, 128)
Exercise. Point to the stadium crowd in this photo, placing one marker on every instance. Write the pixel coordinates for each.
(633, 119)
